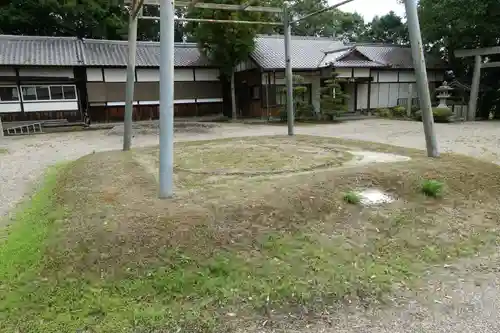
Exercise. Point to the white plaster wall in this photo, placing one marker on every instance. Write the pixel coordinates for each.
(362, 96)
(407, 76)
(47, 72)
(50, 106)
(344, 72)
(383, 94)
(183, 74)
(361, 72)
(374, 96)
(94, 75)
(10, 107)
(388, 76)
(115, 74)
(149, 74)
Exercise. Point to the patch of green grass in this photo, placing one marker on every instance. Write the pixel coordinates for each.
(22, 250)
(352, 197)
(3, 151)
(432, 188)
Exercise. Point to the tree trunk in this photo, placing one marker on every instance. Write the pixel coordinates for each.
(233, 97)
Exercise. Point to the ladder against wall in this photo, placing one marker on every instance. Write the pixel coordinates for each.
(23, 128)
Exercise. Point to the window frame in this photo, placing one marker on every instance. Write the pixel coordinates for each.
(18, 100)
(49, 86)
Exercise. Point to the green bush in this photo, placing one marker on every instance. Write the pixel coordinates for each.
(383, 113)
(441, 115)
(432, 188)
(352, 198)
(399, 111)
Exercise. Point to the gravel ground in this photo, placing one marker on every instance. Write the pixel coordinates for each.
(461, 298)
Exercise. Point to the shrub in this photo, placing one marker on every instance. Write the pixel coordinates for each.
(432, 188)
(441, 115)
(383, 113)
(352, 198)
(399, 111)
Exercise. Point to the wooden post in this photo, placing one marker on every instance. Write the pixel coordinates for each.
(409, 103)
(474, 93)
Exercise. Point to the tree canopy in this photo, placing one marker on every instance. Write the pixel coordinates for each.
(389, 28)
(449, 25)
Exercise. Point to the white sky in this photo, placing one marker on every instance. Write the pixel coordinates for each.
(370, 8)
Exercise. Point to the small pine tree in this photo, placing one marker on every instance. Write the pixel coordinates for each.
(303, 110)
(333, 99)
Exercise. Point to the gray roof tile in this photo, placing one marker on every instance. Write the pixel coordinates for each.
(70, 51)
(306, 52)
(40, 51)
(314, 52)
(396, 56)
(114, 53)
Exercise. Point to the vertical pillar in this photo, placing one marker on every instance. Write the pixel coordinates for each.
(421, 74)
(474, 93)
(409, 103)
(288, 72)
(129, 89)
(166, 98)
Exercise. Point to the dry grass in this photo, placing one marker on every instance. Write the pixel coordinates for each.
(263, 244)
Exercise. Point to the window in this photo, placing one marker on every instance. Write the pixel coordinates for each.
(49, 93)
(8, 94)
(69, 92)
(42, 93)
(56, 92)
(29, 93)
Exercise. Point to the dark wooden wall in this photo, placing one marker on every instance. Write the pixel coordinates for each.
(151, 112)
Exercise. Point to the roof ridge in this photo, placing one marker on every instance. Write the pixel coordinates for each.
(298, 37)
(29, 37)
(124, 42)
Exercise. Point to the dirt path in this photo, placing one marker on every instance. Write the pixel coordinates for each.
(463, 298)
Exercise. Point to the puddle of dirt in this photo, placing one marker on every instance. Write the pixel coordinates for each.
(374, 196)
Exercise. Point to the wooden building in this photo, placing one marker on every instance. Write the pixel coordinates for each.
(64, 78)
(373, 75)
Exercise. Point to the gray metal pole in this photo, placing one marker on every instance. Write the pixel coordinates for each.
(474, 92)
(288, 73)
(129, 89)
(166, 98)
(421, 74)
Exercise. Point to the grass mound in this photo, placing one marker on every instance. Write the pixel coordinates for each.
(106, 256)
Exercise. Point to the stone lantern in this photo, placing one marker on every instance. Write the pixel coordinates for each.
(443, 94)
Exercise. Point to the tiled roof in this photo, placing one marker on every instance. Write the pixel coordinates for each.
(396, 56)
(306, 52)
(41, 51)
(70, 51)
(114, 53)
(314, 52)
(357, 64)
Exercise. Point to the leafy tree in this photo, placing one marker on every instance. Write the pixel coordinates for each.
(333, 99)
(225, 44)
(100, 19)
(449, 25)
(387, 29)
(84, 19)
